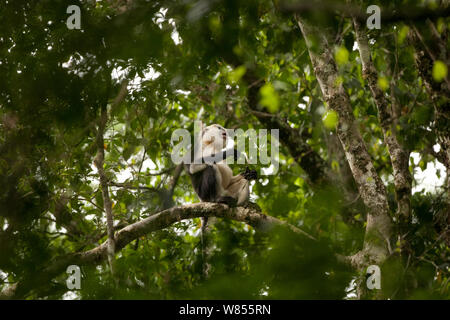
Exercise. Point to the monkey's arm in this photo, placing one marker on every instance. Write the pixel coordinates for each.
(194, 168)
(222, 155)
(201, 163)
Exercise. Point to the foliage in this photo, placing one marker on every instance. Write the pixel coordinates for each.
(187, 61)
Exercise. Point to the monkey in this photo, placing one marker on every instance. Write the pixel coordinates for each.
(212, 178)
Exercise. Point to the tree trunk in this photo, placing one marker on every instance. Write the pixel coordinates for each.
(376, 246)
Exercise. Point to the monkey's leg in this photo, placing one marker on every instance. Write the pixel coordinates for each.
(226, 174)
(223, 175)
(239, 189)
(230, 201)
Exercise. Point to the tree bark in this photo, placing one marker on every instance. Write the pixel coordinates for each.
(99, 162)
(376, 246)
(399, 155)
(107, 204)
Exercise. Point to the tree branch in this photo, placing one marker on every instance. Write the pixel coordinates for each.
(398, 154)
(155, 222)
(99, 162)
(107, 204)
(378, 230)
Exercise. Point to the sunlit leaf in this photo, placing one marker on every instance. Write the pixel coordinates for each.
(341, 55)
(269, 98)
(236, 75)
(383, 83)
(330, 119)
(439, 71)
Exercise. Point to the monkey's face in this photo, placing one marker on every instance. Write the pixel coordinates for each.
(216, 135)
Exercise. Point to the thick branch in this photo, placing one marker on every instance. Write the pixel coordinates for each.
(399, 155)
(155, 222)
(371, 187)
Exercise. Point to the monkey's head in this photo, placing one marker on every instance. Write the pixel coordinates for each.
(214, 135)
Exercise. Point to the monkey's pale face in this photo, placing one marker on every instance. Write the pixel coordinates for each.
(215, 135)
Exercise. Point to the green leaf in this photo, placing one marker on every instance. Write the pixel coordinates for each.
(403, 32)
(215, 25)
(236, 75)
(335, 165)
(383, 83)
(330, 119)
(439, 71)
(341, 55)
(423, 165)
(269, 98)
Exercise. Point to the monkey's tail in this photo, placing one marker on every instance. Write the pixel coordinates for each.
(205, 267)
(202, 232)
(204, 224)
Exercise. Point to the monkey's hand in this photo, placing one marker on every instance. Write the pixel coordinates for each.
(249, 174)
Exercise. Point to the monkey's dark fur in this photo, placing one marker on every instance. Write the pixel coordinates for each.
(204, 183)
